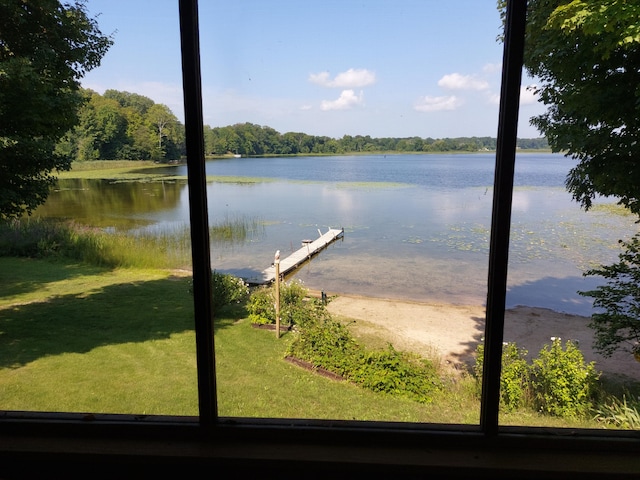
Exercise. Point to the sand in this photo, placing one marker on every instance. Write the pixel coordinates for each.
(452, 332)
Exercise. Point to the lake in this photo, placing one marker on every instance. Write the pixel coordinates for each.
(416, 226)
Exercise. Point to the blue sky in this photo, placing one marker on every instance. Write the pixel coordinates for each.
(385, 68)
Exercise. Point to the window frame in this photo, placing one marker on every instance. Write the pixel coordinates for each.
(64, 439)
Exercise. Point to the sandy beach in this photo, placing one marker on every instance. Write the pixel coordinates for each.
(452, 332)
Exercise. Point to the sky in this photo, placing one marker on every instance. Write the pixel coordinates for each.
(384, 68)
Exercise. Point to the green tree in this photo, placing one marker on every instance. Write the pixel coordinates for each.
(139, 103)
(586, 55)
(140, 142)
(109, 125)
(165, 127)
(46, 47)
(617, 323)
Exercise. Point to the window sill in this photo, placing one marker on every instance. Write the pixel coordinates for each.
(31, 447)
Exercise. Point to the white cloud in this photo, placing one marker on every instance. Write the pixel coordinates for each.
(528, 95)
(436, 104)
(347, 100)
(492, 68)
(321, 78)
(455, 81)
(352, 78)
(306, 107)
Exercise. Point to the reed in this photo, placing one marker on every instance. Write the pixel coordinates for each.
(166, 248)
(235, 229)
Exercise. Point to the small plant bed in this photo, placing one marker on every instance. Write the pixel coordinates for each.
(294, 305)
(324, 345)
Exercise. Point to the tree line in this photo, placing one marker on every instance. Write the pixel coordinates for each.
(123, 126)
(128, 126)
(250, 139)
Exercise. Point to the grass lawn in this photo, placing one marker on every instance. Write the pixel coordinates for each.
(80, 338)
(77, 338)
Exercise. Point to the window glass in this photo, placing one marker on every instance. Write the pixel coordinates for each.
(95, 310)
(379, 119)
(557, 370)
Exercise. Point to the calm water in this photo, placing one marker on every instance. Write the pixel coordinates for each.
(416, 226)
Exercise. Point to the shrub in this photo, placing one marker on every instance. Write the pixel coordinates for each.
(514, 378)
(398, 373)
(514, 381)
(261, 306)
(294, 306)
(327, 343)
(563, 385)
(227, 289)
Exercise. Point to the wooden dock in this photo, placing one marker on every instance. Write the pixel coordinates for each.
(297, 258)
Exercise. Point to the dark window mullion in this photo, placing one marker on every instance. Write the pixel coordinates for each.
(201, 257)
(514, 32)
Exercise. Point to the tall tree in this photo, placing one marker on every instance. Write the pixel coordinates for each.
(586, 54)
(139, 103)
(45, 49)
(164, 125)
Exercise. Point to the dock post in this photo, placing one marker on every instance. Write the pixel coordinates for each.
(276, 263)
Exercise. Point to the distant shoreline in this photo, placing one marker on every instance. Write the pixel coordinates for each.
(377, 152)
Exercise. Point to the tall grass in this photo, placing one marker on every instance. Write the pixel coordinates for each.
(38, 238)
(236, 229)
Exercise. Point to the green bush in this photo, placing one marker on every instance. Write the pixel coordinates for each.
(261, 306)
(327, 343)
(562, 384)
(398, 373)
(514, 381)
(515, 376)
(227, 289)
(295, 308)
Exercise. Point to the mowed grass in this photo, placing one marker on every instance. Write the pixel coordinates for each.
(85, 339)
(76, 338)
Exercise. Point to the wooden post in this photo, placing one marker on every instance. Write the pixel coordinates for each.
(277, 265)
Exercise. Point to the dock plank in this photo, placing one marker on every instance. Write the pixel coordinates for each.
(298, 257)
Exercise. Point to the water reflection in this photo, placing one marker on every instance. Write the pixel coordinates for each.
(418, 237)
(102, 203)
